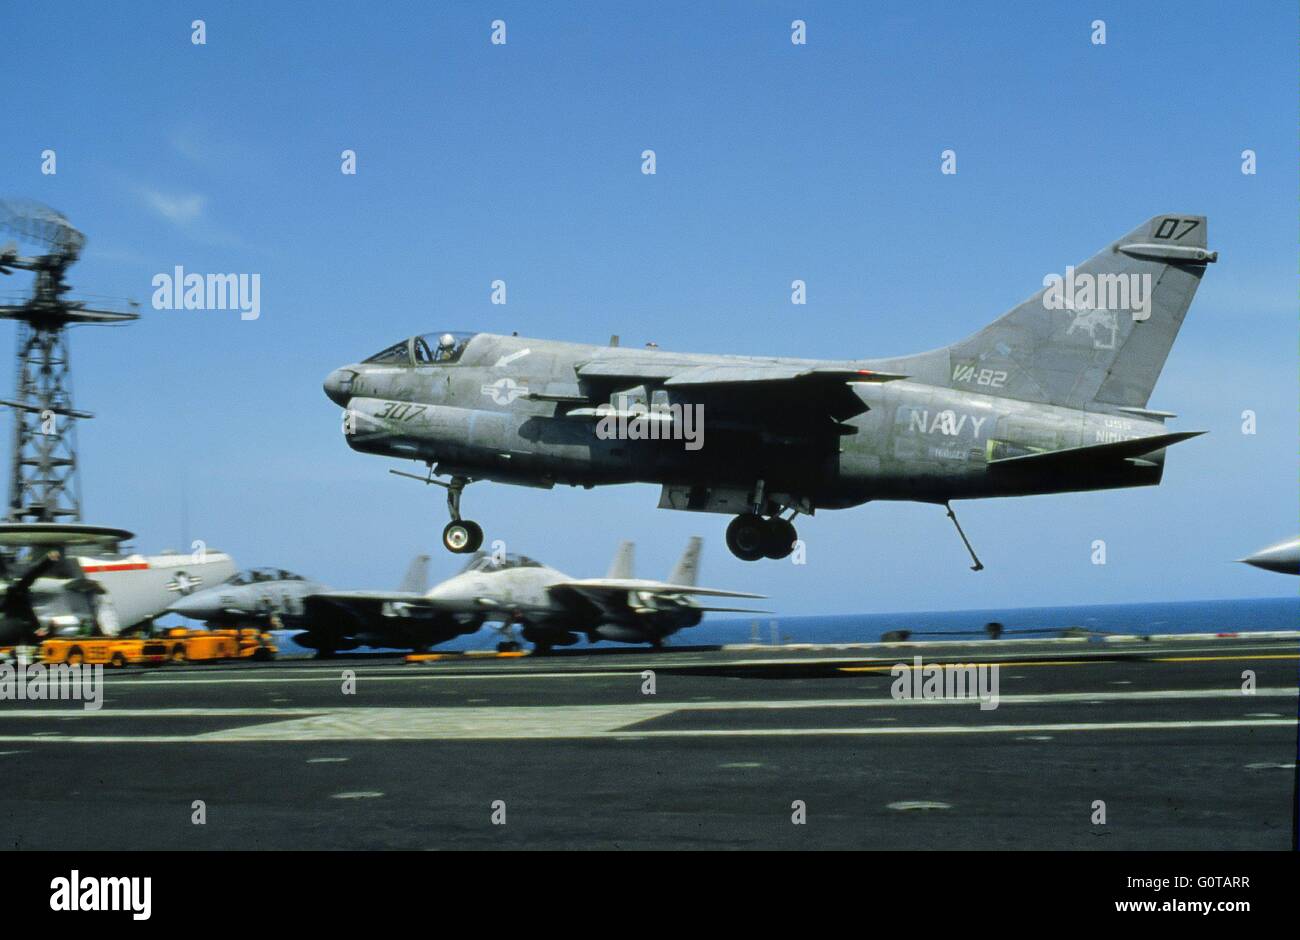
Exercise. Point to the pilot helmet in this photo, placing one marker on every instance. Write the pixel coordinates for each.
(446, 341)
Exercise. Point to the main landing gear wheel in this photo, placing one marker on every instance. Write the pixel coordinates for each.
(781, 536)
(751, 537)
(462, 536)
(747, 537)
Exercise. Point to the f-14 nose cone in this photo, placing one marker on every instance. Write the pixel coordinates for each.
(1283, 558)
(338, 385)
(195, 606)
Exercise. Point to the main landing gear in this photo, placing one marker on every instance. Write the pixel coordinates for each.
(508, 643)
(751, 537)
(460, 536)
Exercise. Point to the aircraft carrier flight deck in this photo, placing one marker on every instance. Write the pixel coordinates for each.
(1185, 742)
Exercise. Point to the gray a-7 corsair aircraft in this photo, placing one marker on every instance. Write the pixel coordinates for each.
(554, 609)
(1049, 398)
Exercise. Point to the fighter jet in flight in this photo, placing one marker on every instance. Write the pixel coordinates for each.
(1049, 398)
(1284, 557)
(271, 598)
(553, 609)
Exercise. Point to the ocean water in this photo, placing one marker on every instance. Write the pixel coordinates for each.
(1217, 616)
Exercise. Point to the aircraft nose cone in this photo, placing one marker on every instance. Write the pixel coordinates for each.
(194, 606)
(338, 385)
(453, 596)
(1283, 558)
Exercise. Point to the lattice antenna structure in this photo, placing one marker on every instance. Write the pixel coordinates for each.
(44, 484)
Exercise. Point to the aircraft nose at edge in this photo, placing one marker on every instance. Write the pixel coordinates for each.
(1284, 557)
(338, 385)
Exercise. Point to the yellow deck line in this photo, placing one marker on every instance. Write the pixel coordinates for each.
(1212, 659)
(1067, 662)
(925, 665)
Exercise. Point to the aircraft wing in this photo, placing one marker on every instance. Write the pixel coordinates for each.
(401, 617)
(801, 385)
(676, 373)
(368, 596)
(350, 608)
(610, 593)
(711, 609)
(623, 585)
(403, 604)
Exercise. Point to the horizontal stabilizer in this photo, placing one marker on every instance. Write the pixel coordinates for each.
(1094, 453)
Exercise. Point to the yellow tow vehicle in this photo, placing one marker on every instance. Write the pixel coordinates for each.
(113, 651)
(198, 646)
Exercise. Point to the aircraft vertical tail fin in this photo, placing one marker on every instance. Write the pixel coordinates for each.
(621, 566)
(416, 579)
(1097, 332)
(687, 569)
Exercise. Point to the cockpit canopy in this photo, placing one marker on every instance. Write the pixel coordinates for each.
(485, 561)
(256, 575)
(428, 349)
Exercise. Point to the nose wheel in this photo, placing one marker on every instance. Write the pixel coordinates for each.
(462, 536)
(751, 537)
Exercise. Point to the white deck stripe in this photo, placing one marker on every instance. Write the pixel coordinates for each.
(304, 731)
(597, 721)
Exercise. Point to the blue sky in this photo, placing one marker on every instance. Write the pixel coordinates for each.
(775, 162)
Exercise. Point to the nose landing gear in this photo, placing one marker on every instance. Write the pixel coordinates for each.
(460, 536)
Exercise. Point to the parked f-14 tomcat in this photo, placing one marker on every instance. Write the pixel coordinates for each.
(271, 597)
(552, 608)
(1050, 398)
